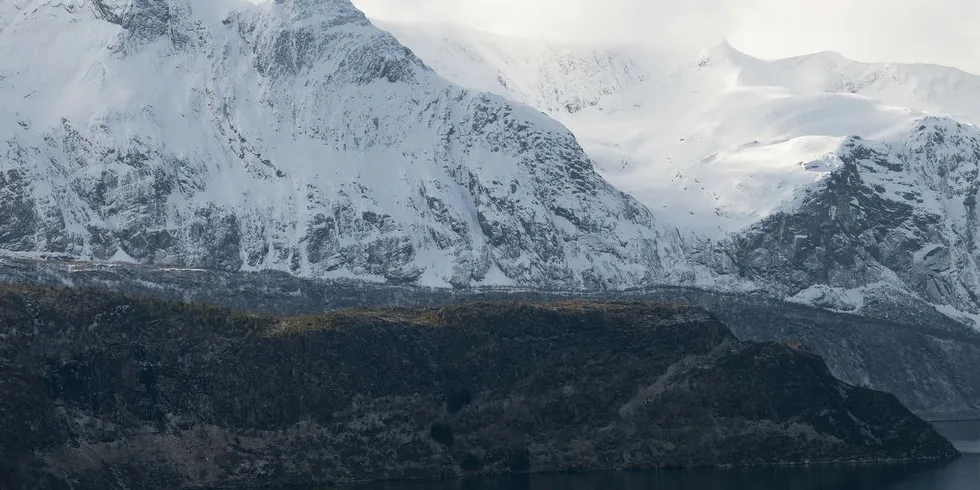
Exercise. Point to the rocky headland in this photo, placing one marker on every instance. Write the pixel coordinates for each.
(104, 391)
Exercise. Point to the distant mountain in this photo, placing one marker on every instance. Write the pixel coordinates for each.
(816, 178)
(291, 136)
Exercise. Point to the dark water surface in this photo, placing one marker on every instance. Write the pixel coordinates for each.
(961, 474)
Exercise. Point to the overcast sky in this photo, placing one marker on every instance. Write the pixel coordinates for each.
(931, 31)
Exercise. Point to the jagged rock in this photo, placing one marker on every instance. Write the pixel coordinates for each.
(899, 218)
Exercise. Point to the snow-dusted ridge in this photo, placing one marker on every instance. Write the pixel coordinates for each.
(294, 136)
(712, 141)
(865, 174)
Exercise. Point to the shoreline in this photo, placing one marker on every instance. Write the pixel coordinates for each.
(352, 485)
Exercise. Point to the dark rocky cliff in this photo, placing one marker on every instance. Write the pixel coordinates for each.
(103, 391)
(925, 358)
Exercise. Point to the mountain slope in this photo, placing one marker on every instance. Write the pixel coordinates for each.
(738, 153)
(719, 132)
(894, 216)
(294, 136)
(934, 89)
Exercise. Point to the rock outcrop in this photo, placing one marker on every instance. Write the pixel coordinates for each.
(897, 222)
(103, 391)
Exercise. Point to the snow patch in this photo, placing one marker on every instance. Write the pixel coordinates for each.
(835, 299)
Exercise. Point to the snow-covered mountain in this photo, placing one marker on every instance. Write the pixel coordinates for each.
(709, 131)
(896, 219)
(818, 178)
(295, 136)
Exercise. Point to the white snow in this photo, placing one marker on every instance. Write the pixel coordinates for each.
(714, 141)
(121, 256)
(283, 134)
(253, 121)
(968, 318)
(711, 142)
(834, 299)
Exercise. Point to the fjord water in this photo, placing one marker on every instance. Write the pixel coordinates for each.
(961, 474)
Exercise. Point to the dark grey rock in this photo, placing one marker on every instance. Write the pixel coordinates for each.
(924, 357)
(127, 393)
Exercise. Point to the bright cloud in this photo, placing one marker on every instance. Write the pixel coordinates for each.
(936, 31)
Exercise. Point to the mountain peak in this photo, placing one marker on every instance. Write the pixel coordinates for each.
(724, 47)
(294, 136)
(723, 51)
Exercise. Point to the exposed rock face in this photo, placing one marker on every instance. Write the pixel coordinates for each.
(104, 391)
(895, 220)
(290, 136)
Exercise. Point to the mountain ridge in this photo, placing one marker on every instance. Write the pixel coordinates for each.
(719, 143)
(293, 136)
(296, 136)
